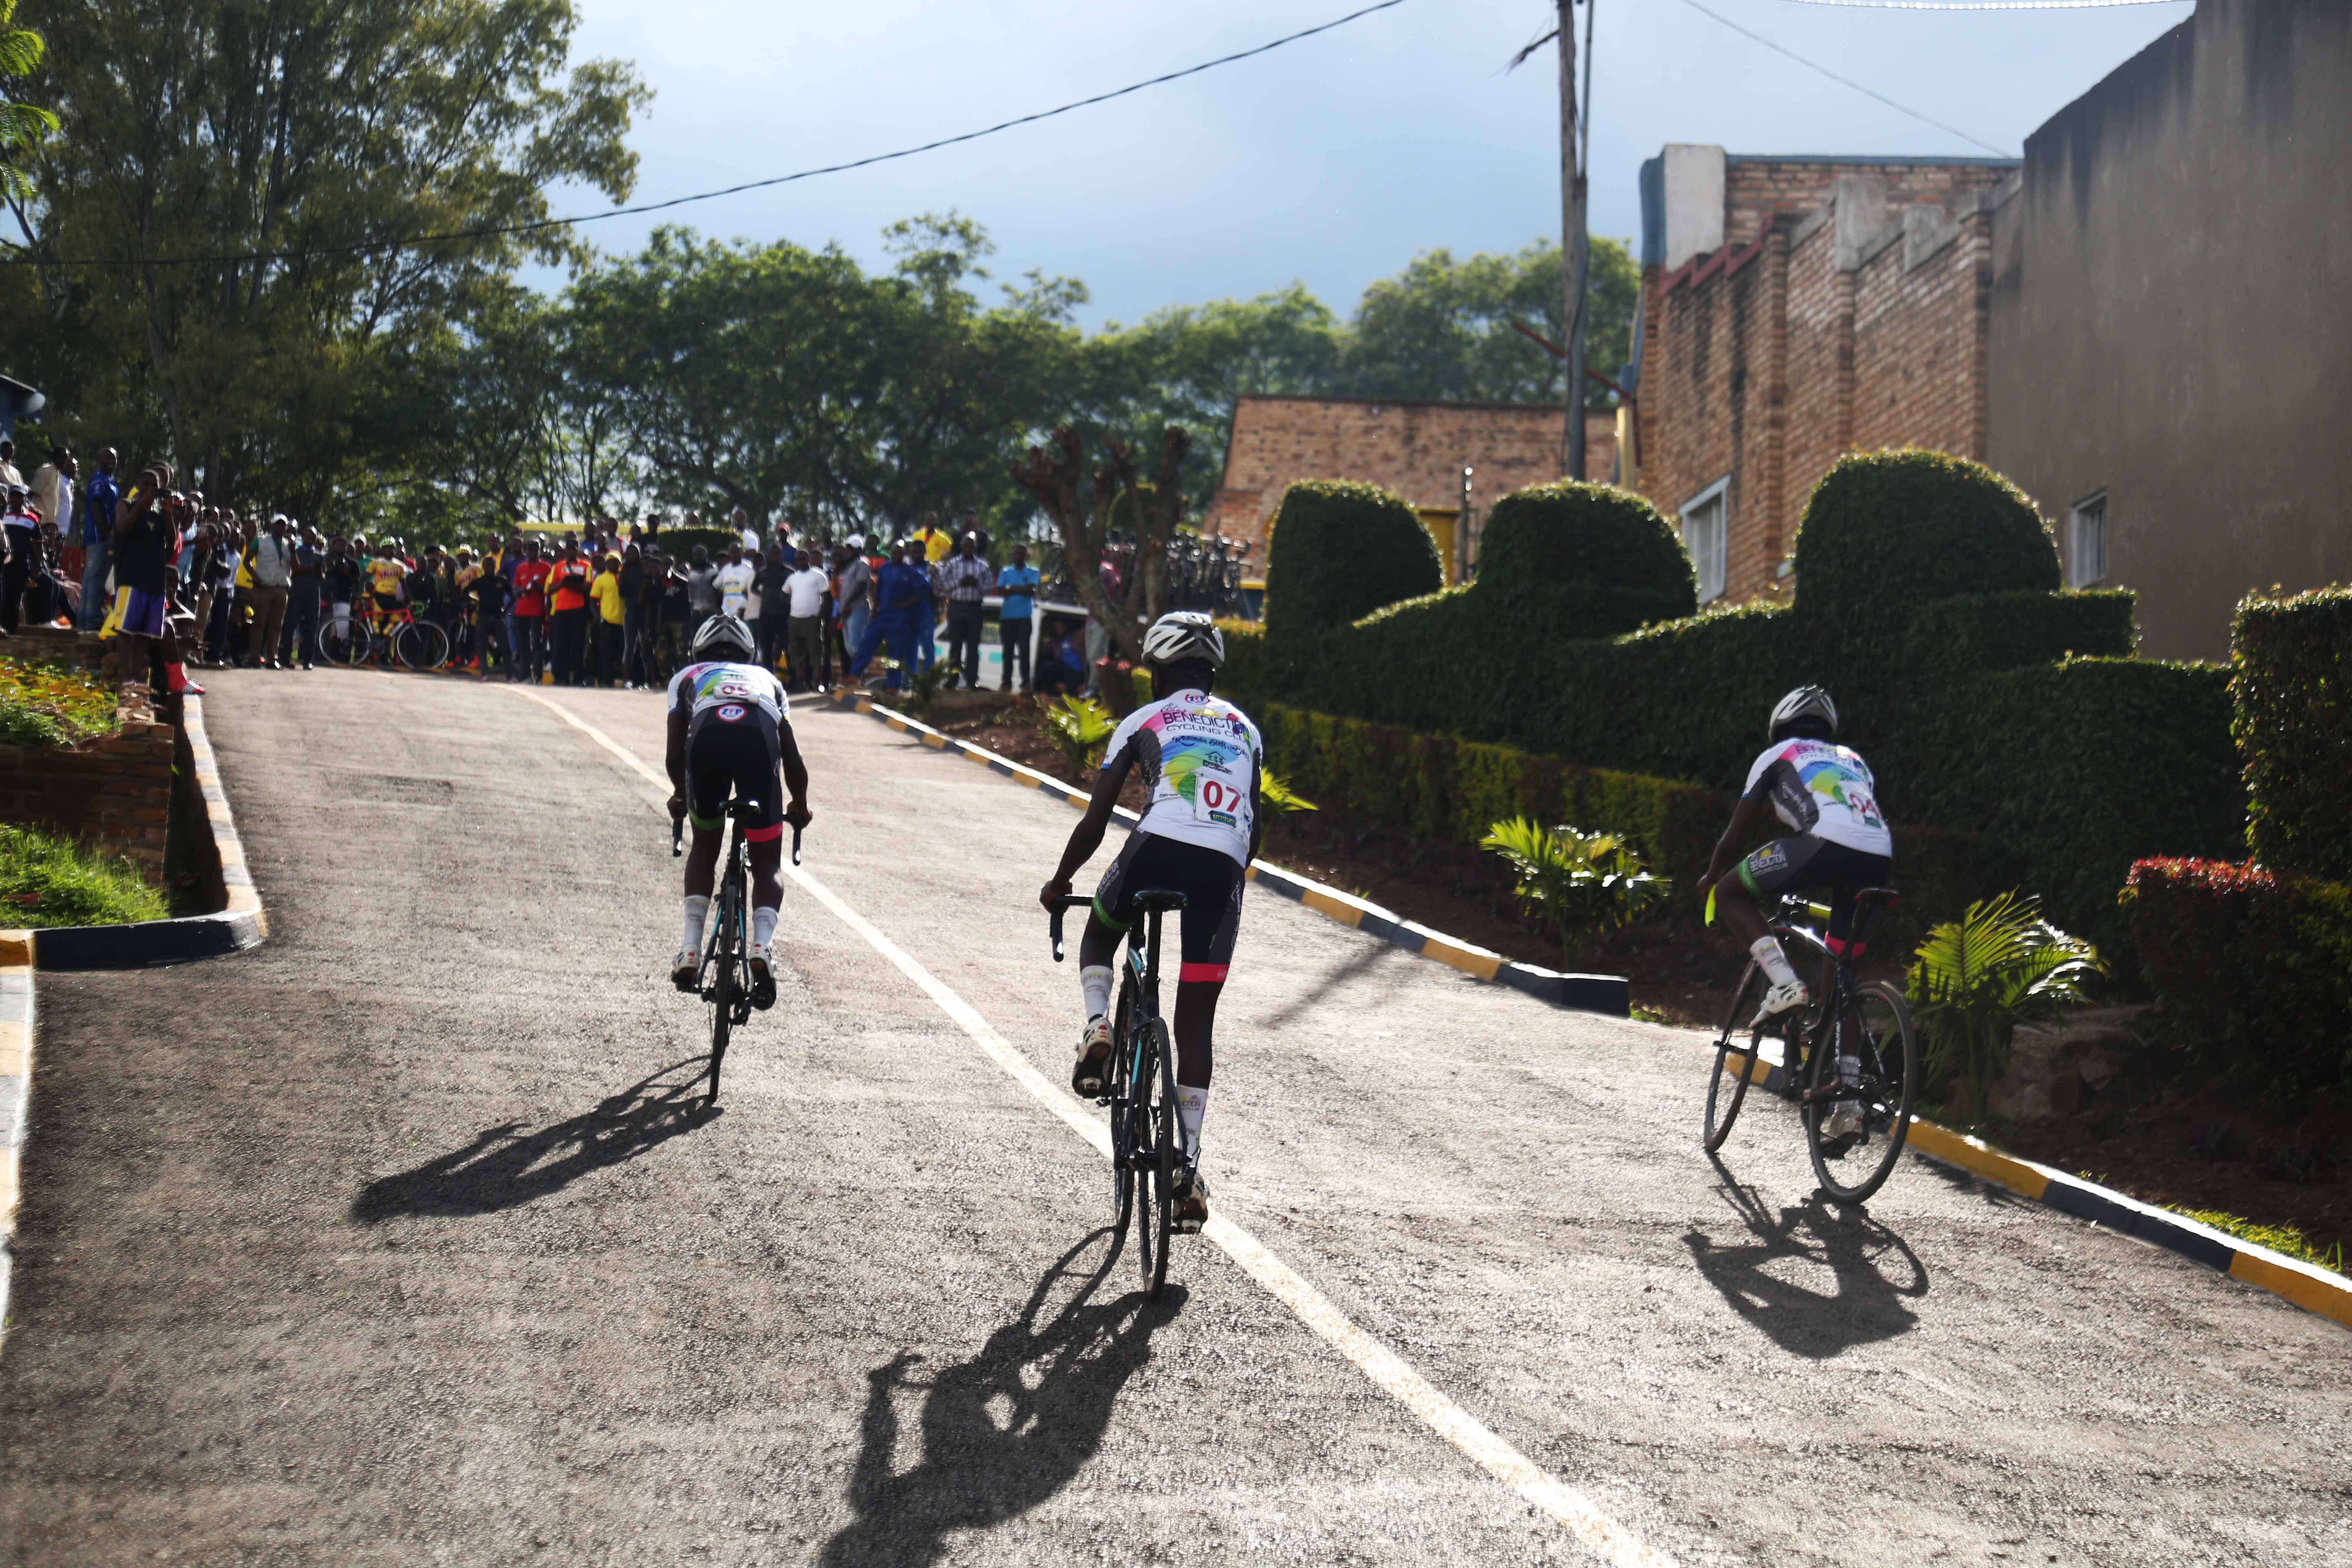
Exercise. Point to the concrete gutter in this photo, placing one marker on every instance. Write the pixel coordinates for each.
(242, 924)
(1606, 993)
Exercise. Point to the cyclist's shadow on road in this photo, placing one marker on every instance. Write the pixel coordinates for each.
(504, 1165)
(1776, 1279)
(1004, 1430)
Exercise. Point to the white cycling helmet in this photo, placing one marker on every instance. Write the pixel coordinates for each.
(721, 631)
(1181, 635)
(1803, 703)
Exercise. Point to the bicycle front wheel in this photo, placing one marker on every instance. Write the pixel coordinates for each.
(1122, 1121)
(1735, 1061)
(1874, 1036)
(345, 642)
(420, 645)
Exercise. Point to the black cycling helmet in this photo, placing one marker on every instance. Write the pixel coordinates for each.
(1806, 711)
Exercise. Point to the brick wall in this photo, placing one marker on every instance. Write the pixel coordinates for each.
(1848, 310)
(115, 792)
(1417, 449)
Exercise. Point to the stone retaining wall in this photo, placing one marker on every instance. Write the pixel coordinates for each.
(114, 792)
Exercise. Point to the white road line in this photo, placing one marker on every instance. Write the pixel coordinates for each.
(1611, 1541)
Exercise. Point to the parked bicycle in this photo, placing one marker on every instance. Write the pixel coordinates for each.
(1147, 1142)
(1853, 1046)
(725, 979)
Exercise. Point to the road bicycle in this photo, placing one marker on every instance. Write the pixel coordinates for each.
(725, 978)
(1147, 1141)
(357, 639)
(1864, 1022)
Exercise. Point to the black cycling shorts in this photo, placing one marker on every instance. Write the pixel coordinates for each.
(1210, 881)
(743, 756)
(1793, 864)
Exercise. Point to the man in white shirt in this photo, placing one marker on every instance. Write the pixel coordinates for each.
(806, 591)
(734, 582)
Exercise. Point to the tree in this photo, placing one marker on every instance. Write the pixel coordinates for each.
(1053, 474)
(23, 126)
(219, 231)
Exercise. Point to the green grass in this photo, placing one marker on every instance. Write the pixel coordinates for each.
(48, 880)
(2287, 1238)
(52, 705)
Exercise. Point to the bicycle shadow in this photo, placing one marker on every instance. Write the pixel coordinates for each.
(1001, 1431)
(504, 1167)
(1872, 1273)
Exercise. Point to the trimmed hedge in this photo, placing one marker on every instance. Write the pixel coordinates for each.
(2292, 686)
(1885, 533)
(1590, 559)
(1342, 550)
(2255, 966)
(1440, 788)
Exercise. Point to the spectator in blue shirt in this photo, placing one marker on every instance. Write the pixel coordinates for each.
(99, 502)
(1018, 584)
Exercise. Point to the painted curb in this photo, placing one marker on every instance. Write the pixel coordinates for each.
(1605, 993)
(15, 1086)
(243, 924)
(2308, 1286)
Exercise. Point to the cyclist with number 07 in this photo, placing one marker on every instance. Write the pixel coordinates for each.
(728, 732)
(1203, 762)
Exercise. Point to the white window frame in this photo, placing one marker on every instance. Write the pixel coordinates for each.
(1717, 496)
(2086, 541)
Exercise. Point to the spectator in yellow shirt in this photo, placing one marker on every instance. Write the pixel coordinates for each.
(605, 591)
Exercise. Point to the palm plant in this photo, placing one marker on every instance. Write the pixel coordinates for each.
(1575, 882)
(1977, 978)
(23, 126)
(1079, 728)
(1279, 797)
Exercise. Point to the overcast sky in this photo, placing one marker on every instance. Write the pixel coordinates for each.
(1333, 161)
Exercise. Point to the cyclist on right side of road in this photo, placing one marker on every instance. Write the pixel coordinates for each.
(729, 729)
(1204, 765)
(1825, 793)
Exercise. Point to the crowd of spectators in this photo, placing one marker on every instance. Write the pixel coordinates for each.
(586, 607)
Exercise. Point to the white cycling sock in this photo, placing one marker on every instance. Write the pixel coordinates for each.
(1094, 982)
(697, 915)
(1192, 1105)
(1773, 961)
(764, 926)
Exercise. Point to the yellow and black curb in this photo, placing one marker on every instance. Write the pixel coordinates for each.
(1606, 993)
(242, 923)
(2308, 1286)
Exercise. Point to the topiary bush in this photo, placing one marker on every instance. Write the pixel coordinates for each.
(2255, 967)
(1339, 551)
(1601, 559)
(1885, 533)
(2291, 685)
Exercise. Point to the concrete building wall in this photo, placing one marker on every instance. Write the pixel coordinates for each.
(1417, 449)
(2171, 315)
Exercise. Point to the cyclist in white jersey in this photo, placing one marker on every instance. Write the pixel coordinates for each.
(1204, 763)
(1825, 793)
(729, 733)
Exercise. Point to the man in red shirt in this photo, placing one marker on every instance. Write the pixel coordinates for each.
(526, 622)
(568, 580)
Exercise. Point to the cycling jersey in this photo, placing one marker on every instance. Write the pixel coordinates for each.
(714, 687)
(1200, 757)
(1823, 790)
(385, 575)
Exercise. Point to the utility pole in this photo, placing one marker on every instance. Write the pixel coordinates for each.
(1572, 248)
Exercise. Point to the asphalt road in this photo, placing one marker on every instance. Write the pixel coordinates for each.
(403, 1238)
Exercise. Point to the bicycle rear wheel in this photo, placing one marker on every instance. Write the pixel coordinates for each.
(723, 986)
(345, 642)
(420, 645)
(1735, 1060)
(1875, 1028)
(1163, 1135)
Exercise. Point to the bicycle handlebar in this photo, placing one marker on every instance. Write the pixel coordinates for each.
(1068, 901)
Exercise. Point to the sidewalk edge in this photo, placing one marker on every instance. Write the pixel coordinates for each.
(16, 1089)
(1610, 995)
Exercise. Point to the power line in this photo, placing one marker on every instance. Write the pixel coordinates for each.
(1848, 81)
(537, 225)
(1985, 5)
